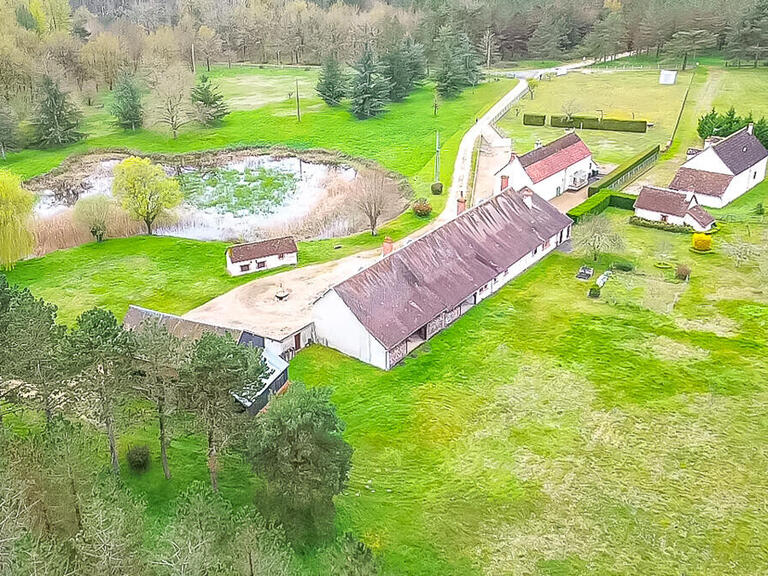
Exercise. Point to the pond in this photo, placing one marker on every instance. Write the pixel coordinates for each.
(235, 197)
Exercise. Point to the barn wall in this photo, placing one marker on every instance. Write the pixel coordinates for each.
(337, 327)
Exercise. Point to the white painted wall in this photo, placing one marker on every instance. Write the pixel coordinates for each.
(234, 269)
(656, 217)
(518, 178)
(548, 188)
(279, 347)
(691, 221)
(337, 327)
(740, 185)
(708, 161)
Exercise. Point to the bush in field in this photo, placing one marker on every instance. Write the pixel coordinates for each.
(138, 457)
(702, 242)
(594, 291)
(623, 266)
(437, 188)
(683, 272)
(92, 213)
(422, 207)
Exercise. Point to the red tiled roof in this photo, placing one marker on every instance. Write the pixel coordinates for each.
(556, 156)
(662, 201)
(701, 182)
(404, 291)
(701, 216)
(254, 250)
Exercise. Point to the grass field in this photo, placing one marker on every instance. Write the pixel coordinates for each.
(249, 87)
(618, 94)
(546, 434)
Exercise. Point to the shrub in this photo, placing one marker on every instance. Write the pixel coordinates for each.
(422, 208)
(437, 188)
(595, 123)
(623, 266)
(683, 272)
(594, 291)
(702, 242)
(599, 202)
(534, 119)
(138, 457)
(666, 226)
(759, 209)
(623, 169)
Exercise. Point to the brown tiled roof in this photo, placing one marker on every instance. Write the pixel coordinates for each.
(254, 250)
(556, 156)
(404, 291)
(740, 151)
(663, 201)
(701, 216)
(701, 182)
(179, 327)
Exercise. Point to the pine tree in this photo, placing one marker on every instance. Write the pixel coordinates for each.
(370, 89)
(416, 62)
(332, 83)
(395, 68)
(458, 63)
(126, 106)
(548, 39)
(58, 119)
(208, 102)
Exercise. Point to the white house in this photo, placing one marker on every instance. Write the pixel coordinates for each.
(565, 164)
(673, 207)
(384, 312)
(724, 170)
(255, 256)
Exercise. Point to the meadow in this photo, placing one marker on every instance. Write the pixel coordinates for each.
(623, 95)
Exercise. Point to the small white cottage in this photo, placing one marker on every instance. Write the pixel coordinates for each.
(672, 207)
(724, 170)
(255, 256)
(565, 164)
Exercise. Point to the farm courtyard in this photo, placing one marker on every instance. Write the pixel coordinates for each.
(544, 432)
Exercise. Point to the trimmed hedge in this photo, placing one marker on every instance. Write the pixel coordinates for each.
(623, 169)
(534, 119)
(600, 201)
(595, 123)
(666, 226)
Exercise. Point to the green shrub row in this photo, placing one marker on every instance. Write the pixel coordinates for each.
(600, 201)
(622, 169)
(534, 119)
(595, 123)
(666, 226)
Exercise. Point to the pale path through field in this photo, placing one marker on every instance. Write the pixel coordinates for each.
(254, 307)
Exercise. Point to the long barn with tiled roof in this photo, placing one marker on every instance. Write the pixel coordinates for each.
(565, 164)
(384, 312)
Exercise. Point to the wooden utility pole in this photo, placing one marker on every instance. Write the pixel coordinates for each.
(298, 104)
(437, 157)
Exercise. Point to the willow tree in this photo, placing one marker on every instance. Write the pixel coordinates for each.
(144, 190)
(16, 204)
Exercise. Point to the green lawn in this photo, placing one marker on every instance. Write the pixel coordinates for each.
(618, 94)
(546, 434)
(249, 87)
(709, 58)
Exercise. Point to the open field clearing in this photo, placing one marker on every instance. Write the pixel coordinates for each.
(617, 95)
(570, 436)
(250, 87)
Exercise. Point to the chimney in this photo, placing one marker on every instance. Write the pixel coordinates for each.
(750, 128)
(528, 197)
(387, 246)
(461, 204)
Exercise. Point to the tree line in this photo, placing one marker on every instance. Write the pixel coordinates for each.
(721, 125)
(61, 496)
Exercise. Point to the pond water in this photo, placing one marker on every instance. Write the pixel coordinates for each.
(243, 198)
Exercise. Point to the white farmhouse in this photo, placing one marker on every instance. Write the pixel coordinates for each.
(724, 170)
(672, 207)
(255, 256)
(384, 312)
(565, 164)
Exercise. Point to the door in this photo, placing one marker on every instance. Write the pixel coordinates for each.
(297, 341)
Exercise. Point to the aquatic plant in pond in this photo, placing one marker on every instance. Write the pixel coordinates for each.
(259, 190)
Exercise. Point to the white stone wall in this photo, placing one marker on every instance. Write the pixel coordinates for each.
(278, 347)
(234, 269)
(656, 217)
(337, 327)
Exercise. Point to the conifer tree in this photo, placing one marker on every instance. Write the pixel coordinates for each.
(458, 63)
(208, 102)
(370, 89)
(395, 68)
(332, 83)
(126, 106)
(57, 119)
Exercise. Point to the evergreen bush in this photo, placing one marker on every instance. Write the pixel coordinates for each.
(138, 457)
(437, 188)
(534, 119)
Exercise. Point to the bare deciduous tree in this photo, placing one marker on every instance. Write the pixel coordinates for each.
(371, 199)
(171, 94)
(594, 236)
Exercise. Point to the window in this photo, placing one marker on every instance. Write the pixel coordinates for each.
(245, 267)
(754, 175)
(261, 264)
(664, 218)
(557, 193)
(281, 257)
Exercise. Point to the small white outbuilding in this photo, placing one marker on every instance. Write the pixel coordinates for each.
(668, 77)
